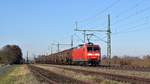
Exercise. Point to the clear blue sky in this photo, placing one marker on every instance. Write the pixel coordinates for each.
(35, 24)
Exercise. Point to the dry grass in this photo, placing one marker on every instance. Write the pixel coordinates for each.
(129, 61)
(1, 65)
(18, 75)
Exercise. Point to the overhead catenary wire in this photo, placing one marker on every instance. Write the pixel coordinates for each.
(133, 27)
(129, 9)
(101, 39)
(101, 12)
(79, 39)
(131, 31)
(125, 18)
(129, 16)
(139, 19)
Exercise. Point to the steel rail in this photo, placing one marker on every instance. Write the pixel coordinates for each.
(122, 78)
(54, 78)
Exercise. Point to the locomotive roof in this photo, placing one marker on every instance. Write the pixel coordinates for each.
(80, 45)
(91, 44)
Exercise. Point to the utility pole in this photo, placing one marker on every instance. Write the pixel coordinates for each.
(58, 47)
(34, 58)
(108, 31)
(109, 41)
(27, 58)
(84, 32)
(72, 41)
(51, 50)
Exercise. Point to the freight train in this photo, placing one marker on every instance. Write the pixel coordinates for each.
(85, 54)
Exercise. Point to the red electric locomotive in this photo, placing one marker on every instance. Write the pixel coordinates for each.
(86, 54)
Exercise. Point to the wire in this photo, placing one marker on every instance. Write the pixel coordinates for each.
(138, 25)
(135, 28)
(129, 16)
(78, 37)
(127, 10)
(100, 39)
(139, 19)
(101, 12)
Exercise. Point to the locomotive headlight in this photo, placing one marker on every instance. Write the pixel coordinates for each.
(90, 54)
(97, 54)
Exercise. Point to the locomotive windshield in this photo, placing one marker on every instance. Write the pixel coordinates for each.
(96, 48)
(92, 48)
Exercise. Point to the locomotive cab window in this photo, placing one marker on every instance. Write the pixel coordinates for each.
(96, 48)
(90, 48)
(93, 49)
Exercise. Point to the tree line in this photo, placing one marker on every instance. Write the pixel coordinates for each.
(11, 54)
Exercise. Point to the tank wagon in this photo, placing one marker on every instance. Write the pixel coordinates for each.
(85, 54)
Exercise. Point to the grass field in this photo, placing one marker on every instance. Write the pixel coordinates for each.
(1, 65)
(19, 74)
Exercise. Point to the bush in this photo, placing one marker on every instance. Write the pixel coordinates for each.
(11, 54)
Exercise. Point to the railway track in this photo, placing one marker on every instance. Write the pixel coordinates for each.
(131, 68)
(116, 67)
(53, 78)
(121, 78)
